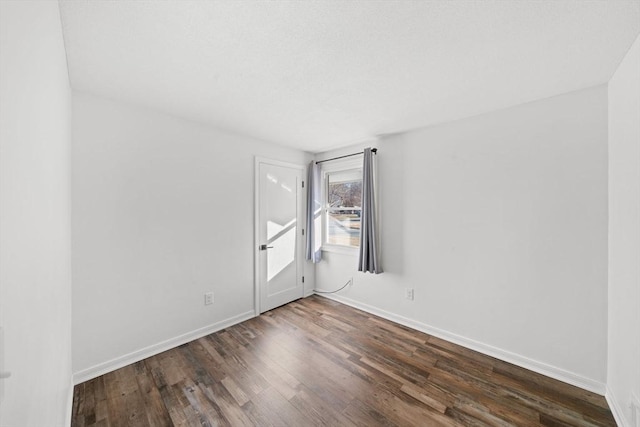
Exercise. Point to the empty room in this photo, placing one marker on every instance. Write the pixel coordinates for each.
(311, 213)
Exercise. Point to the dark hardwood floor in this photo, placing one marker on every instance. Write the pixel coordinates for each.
(318, 362)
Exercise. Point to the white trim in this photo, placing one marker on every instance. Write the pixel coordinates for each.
(339, 249)
(69, 412)
(635, 404)
(340, 165)
(279, 163)
(152, 350)
(616, 409)
(256, 235)
(507, 356)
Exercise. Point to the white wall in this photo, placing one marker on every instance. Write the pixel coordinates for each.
(499, 222)
(623, 375)
(162, 213)
(35, 271)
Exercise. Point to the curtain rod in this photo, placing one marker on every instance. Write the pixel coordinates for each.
(373, 150)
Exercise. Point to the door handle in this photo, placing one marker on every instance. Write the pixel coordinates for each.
(265, 247)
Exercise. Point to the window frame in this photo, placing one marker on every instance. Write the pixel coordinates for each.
(327, 169)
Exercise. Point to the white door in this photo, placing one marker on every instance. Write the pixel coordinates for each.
(279, 234)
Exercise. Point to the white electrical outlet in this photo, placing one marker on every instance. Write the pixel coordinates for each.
(409, 293)
(208, 298)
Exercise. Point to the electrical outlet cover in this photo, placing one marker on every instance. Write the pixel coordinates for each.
(208, 298)
(409, 294)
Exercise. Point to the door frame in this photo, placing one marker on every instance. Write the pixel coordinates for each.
(256, 224)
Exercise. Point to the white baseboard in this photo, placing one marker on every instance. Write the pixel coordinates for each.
(69, 413)
(507, 356)
(616, 409)
(143, 353)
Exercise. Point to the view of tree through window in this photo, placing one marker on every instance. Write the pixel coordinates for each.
(344, 200)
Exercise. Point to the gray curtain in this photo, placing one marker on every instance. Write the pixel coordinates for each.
(314, 204)
(369, 259)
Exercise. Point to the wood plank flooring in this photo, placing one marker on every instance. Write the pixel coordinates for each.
(318, 362)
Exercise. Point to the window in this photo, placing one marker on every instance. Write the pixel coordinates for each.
(343, 205)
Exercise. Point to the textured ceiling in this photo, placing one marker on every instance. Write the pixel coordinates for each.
(321, 74)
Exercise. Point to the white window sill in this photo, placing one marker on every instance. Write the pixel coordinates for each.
(337, 249)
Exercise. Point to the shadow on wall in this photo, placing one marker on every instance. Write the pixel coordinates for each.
(391, 203)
